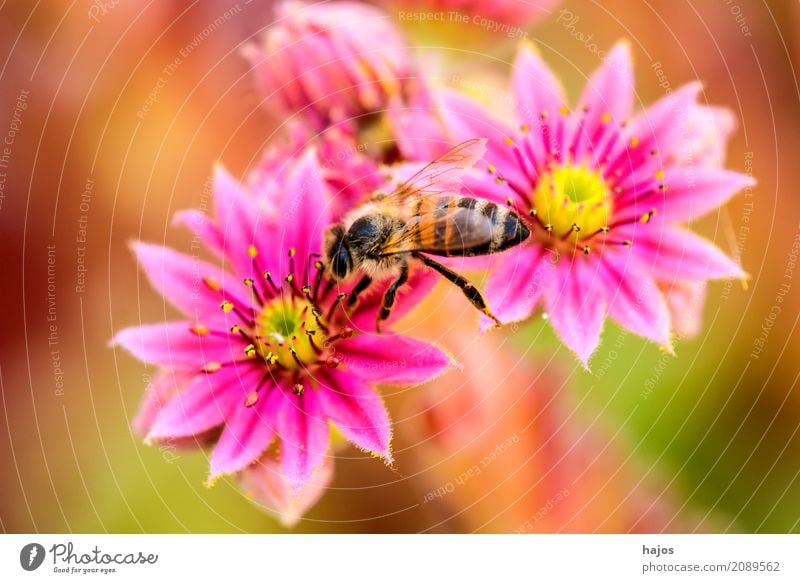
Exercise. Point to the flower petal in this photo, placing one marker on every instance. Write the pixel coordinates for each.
(248, 430)
(536, 87)
(357, 411)
(516, 284)
(576, 311)
(635, 302)
(419, 284)
(164, 385)
(659, 129)
(383, 358)
(674, 254)
(608, 98)
(694, 192)
(174, 344)
(202, 226)
(685, 301)
(266, 484)
(181, 280)
(305, 211)
(466, 119)
(304, 435)
(205, 402)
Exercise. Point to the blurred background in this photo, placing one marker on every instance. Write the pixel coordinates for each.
(112, 115)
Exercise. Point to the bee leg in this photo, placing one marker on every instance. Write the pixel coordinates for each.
(390, 295)
(472, 293)
(363, 284)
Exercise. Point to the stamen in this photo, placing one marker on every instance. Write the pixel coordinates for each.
(211, 367)
(268, 277)
(339, 302)
(249, 282)
(200, 330)
(298, 389)
(212, 283)
(346, 333)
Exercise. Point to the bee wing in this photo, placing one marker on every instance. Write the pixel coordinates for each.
(439, 176)
(443, 229)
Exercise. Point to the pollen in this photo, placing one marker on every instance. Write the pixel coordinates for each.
(212, 367)
(212, 283)
(199, 330)
(281, 333)
(572, 201)
(226, 306)
(252, 251)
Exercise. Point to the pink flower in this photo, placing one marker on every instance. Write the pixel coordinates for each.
(606, 195)
(265, 351)
(265, 482)
(331, 61)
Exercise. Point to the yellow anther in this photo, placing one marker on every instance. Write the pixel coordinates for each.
(606, 117)
(212, 283)
(200, 329)
(226, 306)
(250, 350)
(212, 366)
(252, 251)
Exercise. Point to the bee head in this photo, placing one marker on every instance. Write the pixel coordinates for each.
(337, 253)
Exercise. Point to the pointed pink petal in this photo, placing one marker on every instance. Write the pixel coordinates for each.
(635, 302)
(465, 120)
(419, 135)
(304, 435)
(384, 358)
(204, 403)
(174, 344)
(243, 223)
(517, 282)
(576, 311)
(694, 192)
(536, 88)
(265, 483)
(608, 96)
(180, 279)
(685, 301)
(706, 137)
(248, 430)
(419, 285)
(357, 411)
(164, 385)
(660, 127)
(674, 254)
(305, 212)
(202, 226)
(611, 87)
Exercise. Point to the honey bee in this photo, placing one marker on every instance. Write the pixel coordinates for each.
(423, 216)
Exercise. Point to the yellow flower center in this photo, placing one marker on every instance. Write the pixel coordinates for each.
(572, 202)
(288, 332)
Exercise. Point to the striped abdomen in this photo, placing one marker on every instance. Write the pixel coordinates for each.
(462, 226)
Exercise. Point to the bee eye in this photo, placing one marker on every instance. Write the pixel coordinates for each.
(340, 262)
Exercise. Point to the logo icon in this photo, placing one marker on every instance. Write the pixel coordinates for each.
(31, 556)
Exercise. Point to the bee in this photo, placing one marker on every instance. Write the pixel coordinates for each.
(425, 215)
